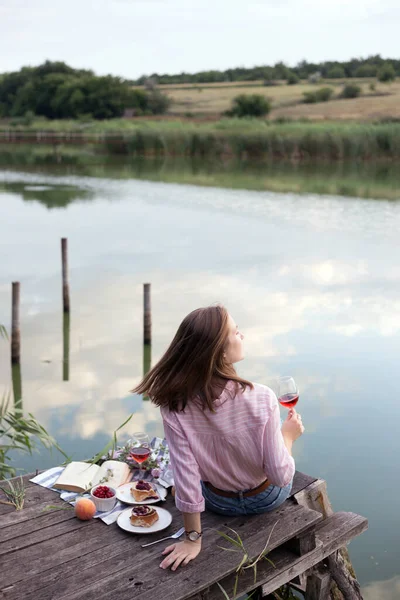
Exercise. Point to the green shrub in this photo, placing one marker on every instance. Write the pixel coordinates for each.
(56, 91)
(351, 91)
(336, 73)
(157, 103)
(28, 118)
(292, 78)
(249, 105)
(386, 73)
(366, 71)
(372, 86)
(321, 95)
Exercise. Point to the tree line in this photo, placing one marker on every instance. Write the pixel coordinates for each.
(355, 67)
(57, 91)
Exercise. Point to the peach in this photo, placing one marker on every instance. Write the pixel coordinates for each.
(85, 509)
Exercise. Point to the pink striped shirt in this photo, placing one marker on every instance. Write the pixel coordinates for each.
(236, 448)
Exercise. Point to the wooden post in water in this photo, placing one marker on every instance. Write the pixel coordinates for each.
(15, 327)
(146, 330)
(66, 333)
(345, 584)
(17, 389)
(146, 314)
(64, 260)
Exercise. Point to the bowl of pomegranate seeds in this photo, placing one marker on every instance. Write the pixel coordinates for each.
(104, 497)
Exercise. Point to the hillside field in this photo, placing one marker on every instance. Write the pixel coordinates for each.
(210, 100)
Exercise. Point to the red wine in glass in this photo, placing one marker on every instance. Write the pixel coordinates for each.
(140, 454)
(288, 393)
(288, 400)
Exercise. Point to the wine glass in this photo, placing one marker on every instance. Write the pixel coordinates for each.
(288, 392)
(142, 438)
(142, 452)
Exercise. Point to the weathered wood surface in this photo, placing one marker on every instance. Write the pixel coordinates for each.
(318, 584)
(347, 584)
(51, 555)
(301, 481)
(331, 534)
(344, 586)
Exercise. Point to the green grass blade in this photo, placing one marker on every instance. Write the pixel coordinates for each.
(229, 539)
(223, 591)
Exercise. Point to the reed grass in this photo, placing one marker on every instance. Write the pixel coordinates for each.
(19, 433)
(251, 138)
(246, 561)
(287, 141)
(15, 493)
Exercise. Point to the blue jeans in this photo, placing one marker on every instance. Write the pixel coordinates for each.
(265, 501)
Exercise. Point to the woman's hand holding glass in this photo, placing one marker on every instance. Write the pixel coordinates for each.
(292, 427)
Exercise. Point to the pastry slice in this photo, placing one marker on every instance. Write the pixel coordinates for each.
(143, 516)
(141, 490)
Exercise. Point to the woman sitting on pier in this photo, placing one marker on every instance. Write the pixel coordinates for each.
(229, 452)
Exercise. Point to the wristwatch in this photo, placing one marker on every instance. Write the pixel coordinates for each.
(193, 536)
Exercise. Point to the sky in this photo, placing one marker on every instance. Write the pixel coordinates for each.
(135, 37)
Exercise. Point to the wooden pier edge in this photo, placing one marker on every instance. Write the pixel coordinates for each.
(337, 568)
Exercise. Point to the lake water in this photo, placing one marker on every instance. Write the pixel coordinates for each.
(313, 282)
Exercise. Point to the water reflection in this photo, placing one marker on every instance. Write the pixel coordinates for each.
(146, 362)
(17, 389)
(313, 282)
(66, 335)
(383, 590)
(372, 180)
(51, 196)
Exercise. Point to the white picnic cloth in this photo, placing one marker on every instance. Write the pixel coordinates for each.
(48, 478)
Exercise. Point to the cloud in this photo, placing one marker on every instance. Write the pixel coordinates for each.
(132, 37)
(383, 590)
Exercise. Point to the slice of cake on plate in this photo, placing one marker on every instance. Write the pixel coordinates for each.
(143, 516)
(142, 490)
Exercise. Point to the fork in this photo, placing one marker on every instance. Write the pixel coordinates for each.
(174, 536)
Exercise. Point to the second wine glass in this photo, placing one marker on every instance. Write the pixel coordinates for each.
(142, 452)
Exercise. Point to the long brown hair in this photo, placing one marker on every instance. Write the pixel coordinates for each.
(194, 366)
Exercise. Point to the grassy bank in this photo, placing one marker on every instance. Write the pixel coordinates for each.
(362, 180)
(237, 138)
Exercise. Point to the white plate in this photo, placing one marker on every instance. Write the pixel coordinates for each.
(164, 519)
(124, 494)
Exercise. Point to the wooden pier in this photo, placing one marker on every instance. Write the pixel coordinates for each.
(51, 555)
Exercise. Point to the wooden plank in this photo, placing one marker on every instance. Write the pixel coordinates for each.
(85, 573)
(44, 585)
(331, 534)
(54, 555)
(37, 497)
(286, 566)
(146, 582)
(334, 536)
(300, 482)
(48, 560)
(33, 559)
(26, 538)
(37, 546)
(315, 496)
(31, 491)
(33, 519)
